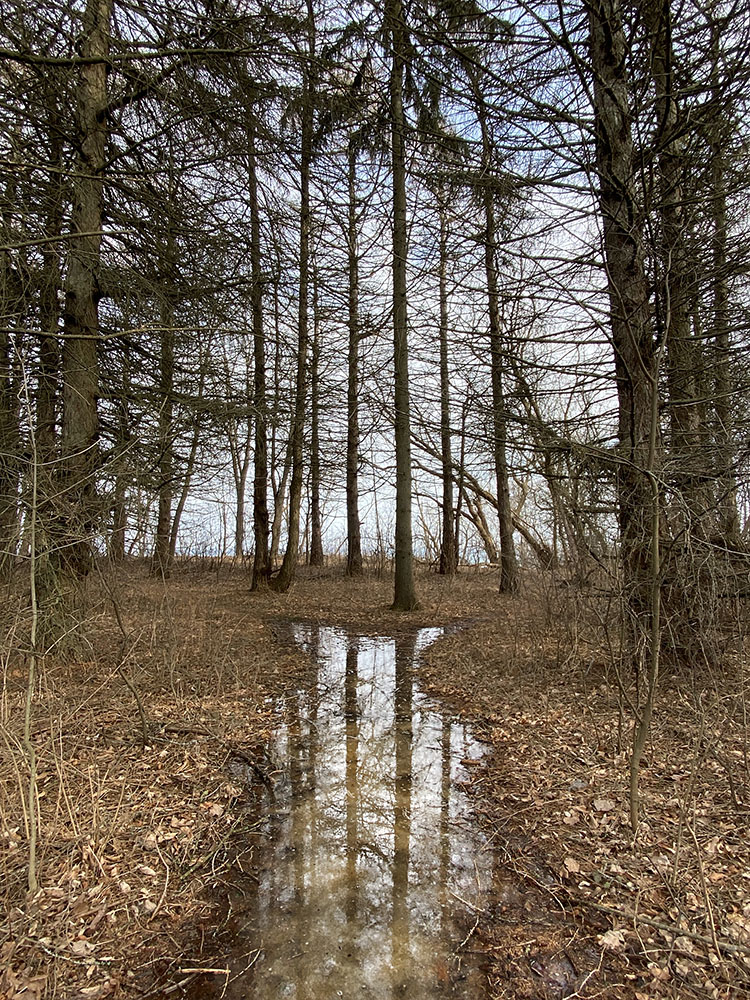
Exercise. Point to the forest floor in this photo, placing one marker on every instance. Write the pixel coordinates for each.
(134, 825)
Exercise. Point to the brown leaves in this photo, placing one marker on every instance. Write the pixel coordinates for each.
(604, 805)
(555, 791)
(612, 940)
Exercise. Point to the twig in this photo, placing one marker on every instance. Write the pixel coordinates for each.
(730, 949)
(74, 961)
(205, 972)
(465, 940)
(250, 964)
(124, 656)
(704, 886)
(178, 729)
(588, 976)
(164, 890)
(466, 902)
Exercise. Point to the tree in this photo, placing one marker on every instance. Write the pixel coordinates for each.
(286, 574)
(353, 529)
(448, 545)
(629, 308)
(261, 556)
(405, 597)
(80, 422)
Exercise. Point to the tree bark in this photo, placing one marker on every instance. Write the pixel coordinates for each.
(9, 439)
(279, 499)
(353, 528)
(116, 544)
(727, 517)
(239, 451)
(634, 355)
(80, 422)
(161, 563)
(184, 492)
(673, 304)
(283, 581)
(11, 310)
(405, 598)
(316, 524)
(509, 576)
(261, 556)
(448, 550)
(187, 475)
(49, 315)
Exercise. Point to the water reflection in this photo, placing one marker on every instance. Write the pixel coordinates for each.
(367, 846)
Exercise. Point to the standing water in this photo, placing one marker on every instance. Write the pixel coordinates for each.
(370, 873)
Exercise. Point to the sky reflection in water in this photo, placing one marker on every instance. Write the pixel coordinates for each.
(368, 842)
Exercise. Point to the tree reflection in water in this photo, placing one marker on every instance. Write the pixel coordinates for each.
(367, 846)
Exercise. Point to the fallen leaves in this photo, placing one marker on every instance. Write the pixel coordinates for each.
(612, 940)
(572, 867)
(554, 794)
(604, 805)
(126, 832)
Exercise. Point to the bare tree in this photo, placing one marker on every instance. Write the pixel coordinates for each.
(405, 597)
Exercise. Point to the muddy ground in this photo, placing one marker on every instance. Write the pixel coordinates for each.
(137, 815)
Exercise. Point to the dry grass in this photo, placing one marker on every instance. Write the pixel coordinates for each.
(131, 835)
(128, 834)
(669, 914)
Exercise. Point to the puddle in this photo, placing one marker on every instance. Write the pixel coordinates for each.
(370, 872)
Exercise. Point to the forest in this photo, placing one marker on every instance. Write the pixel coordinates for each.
(418, 323)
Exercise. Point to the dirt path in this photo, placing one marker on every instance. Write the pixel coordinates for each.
(132, 837)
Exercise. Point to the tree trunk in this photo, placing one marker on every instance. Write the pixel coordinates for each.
(161, 562)
(49, 316)
(241, 486)
(80, 423)
(405, 598)
(184, 492)
(286, 574)
(187, 476)
(11, 310)
(279, 500)
(116, 545)
(477, 518)
(316, 524)
(509, 576)
(116, 548)
(635, 370)
(9, 438)
(687, 466)
(261, 558)
(353, 528)
(448, 551)
(239, 451)
(727, 518)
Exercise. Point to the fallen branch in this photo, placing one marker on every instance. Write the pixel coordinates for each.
(206, 972)
(730, 949)
(179, 729)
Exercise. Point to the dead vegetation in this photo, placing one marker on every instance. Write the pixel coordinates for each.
(132, 834)
(665, 915)
(131, 831)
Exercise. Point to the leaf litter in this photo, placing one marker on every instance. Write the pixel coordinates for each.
(132, 836)
(664, 915)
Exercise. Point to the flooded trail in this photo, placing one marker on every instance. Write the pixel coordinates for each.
(370, 873)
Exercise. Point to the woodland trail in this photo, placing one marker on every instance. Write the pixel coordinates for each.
(141, 845)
